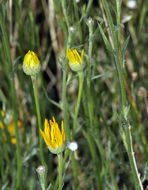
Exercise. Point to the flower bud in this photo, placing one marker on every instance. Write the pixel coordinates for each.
(31, 64)
(41, 170)
(75, 61)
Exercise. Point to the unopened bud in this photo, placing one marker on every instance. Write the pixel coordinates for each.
(31, 64)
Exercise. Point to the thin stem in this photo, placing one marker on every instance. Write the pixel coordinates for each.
(133, 160)
(65, 12)
(66, 125)
(13, 94)
(106, 164)
(96, 168)
(78, 21)
(120, 69)
(74, 166)
(88, 136)
(19, 162)
(66, 155)
(81, 78)
(117, 53)
(90, 100)
(89, 4)
(60, 171)
(1, 163)
(38, 116)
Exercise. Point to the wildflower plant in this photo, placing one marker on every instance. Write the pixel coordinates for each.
(55, 139)
(31, 66)
(102, 139)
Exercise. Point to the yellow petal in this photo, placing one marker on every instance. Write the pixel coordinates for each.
(82, 54)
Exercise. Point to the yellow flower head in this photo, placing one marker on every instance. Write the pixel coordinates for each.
(75, 61)
(53, 136)
(11, 128)
(1, 124)
(31, 65)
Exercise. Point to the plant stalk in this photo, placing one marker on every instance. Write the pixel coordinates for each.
(60, 171)
(13, 95)
(38, 116)
(81, 78)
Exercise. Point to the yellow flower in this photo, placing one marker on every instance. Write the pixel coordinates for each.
(31, 64)
(53, 136)
(75, 61)
(11, 128)
(1, 124)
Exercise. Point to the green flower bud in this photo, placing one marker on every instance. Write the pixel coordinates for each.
(75, 61)
(31, 64)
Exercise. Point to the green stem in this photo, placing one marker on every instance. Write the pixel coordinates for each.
(2, 164)
(91, 114)
(19, 162)
(89, 4)
(66, 125)
(65, 12)
(117, 53)
(58, 10)
(81, 78)
(75, 171)
(60, 171)
(78, 21)
(119, 62)
(97, 170)
(90, 100)
(129, 149)
(38, 116)
(66, 155)
(13, 94)
(106, 163)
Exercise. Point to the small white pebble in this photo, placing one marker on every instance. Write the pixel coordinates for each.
(73, 146)
(132, 4)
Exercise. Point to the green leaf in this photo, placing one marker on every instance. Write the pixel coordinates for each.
(125, 46)
(107, 43)
(52, 101)
(97, 76)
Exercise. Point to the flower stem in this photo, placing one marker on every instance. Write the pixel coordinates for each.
(74, 166)
(38, 116)
(19, 162)
(60, 171)
(78, 21)
(133, 160)
(13, 94)
(126, 135)
(96, 167)
(90, 98)
(66, 125)
(81, 78)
